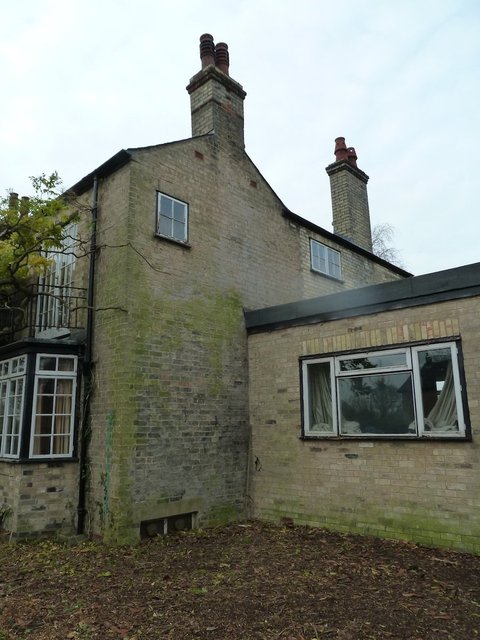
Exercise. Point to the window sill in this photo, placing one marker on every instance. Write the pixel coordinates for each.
(326, 275)
(380, 438)
(46, 460)
(180, 243)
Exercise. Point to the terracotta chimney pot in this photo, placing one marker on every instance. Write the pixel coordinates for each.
(341, 151)
(352, 156)
(222, 59)
(207, 50)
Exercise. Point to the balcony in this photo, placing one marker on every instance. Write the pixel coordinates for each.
(50, 312)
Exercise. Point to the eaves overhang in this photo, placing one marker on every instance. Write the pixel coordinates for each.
(114, 163)
(440, 286)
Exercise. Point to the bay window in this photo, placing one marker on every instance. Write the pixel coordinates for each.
(411, 391)
(37, 405)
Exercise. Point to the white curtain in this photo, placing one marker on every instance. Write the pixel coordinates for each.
(443, 416)
(321, 398)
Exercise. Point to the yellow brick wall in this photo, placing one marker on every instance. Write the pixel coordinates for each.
(423, 491)
(43, 497)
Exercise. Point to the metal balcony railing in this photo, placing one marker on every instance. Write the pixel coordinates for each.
(49, 311)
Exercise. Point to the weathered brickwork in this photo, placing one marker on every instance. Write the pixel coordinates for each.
(46, 497)
(170, 403)
(428, 492)
(217, 106)
(168, 429)
(351, 218)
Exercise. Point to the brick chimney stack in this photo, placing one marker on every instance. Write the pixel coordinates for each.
(216, 99)
(348, 186)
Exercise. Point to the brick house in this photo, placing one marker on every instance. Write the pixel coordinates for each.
(125, 397)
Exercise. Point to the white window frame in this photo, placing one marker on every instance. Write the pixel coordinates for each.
(333, 267)
(12, 375)
(53, 311)
(55, 374)
(411, 366)
(172, 235)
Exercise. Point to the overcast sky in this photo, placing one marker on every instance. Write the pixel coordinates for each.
(400, 80)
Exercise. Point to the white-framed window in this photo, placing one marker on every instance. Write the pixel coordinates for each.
(325, 259)
(172, 218)
(12, 391)
(55, 287)
(410, 391)
(53, 413)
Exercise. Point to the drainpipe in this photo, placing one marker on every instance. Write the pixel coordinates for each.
(87, 368)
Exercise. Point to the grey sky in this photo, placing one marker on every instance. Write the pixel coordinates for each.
(400, 80)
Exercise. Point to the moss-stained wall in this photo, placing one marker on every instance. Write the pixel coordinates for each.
(426, 491)
(170, 402)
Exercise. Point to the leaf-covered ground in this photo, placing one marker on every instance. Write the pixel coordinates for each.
(249, 580)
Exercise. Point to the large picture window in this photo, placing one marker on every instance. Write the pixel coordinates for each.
(413, 392)
(172, 218)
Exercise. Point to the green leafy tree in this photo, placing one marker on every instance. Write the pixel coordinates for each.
(29, 228)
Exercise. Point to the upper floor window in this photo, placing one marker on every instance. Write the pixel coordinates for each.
(325, 259)
(411, 391)
(172, 218)
(55, 287)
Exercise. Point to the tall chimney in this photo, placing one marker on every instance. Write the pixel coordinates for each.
(348, 187)
(216, 99)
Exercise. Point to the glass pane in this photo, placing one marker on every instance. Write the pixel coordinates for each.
(16, 426)
(63, 405)
(438, 390)
(62, 425)
(179, 230)
(11, 447)
(165, 227)
(3, 392)
(41, 446)
(321, 265)
(48, 364)
(21, 365)
(179, 211)
(64, 386)
(43, 425)
(372, 362)
(66, 364)
(166, 206)
(46, 386)
(378, 404)
(61, 444)
(320, 417)
(335, 271)
(45, 404)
